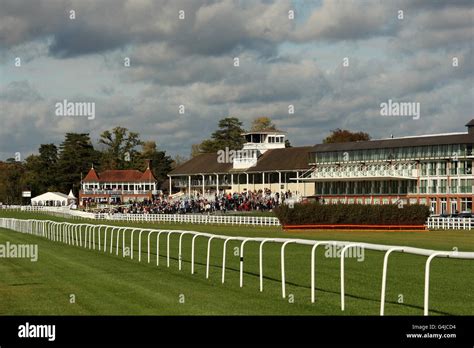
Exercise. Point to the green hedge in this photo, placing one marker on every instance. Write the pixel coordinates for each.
(316, 213)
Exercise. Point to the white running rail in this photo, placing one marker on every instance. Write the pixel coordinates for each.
(86, 236)
(171, 218)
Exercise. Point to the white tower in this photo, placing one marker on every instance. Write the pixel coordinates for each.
(256, 144)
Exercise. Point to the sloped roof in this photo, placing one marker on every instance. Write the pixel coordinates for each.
(91, 176)
(470, 123)
(291, 158)
(124, 175)
(205, 163)
(463, 138)
(50, 196)
(148, 175)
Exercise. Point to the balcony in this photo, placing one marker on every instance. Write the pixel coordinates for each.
(361, 172)
(198, 183)
(116, 192)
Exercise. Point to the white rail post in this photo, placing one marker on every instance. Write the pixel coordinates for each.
(313, 268)
(260, 263)
(283, 286)
(242, 261)
(148, 243)
(140, 245)
(208, 256)
(180, 248)
(343, 252)
(223, 257)
(131, 243)
(384, 277)
(427, 279)
(158, 246)
(192, 252)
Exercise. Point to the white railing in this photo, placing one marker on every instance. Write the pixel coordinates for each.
(173, 218)
(194, 219)
(434, 223)
(86, 236)
(445, 223)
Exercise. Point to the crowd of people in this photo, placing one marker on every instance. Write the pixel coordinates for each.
(262, 200)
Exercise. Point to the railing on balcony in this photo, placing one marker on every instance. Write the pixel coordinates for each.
(198, 183)
(115, 192)
(360, 170)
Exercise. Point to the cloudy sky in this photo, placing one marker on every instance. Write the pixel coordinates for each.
(401, 50)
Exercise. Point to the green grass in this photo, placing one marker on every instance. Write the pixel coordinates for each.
(107, 284)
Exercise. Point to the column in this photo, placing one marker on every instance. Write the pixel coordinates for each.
(203, 180)
(279, 181)
(247, 175)
(189, 185)
(217, 183)
(231, 182)
(298, 182)
(263, 180)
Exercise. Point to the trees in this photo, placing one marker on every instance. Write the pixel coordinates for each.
(11, 185)
(160, 162)
(228, 135)
(120, 149)
(263, 123)
(343, 135)
(41, 170)
(76, 156)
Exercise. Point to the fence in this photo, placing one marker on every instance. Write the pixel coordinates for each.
(86, 235)
(432, 222)
(173, 218)
(450, 223)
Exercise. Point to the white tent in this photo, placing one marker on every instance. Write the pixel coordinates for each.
(54, 199)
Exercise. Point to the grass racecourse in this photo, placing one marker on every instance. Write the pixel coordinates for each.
(69, 280)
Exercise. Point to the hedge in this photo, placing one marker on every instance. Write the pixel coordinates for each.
(317, 213)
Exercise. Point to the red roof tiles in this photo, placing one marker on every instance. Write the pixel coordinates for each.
(126, 175)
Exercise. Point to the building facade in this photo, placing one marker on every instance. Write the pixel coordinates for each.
(263, 163)
(435, 170)
(117, 186)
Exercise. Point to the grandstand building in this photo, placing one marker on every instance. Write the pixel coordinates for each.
(435, 170)
(117, 186)
(263, 163)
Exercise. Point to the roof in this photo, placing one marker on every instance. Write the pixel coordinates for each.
(91, 176)
(123, 175)
(50, 196)
(265, 131)
(470, 123)
(203, 163)
(148, 175)
(463, 138)
(290, 158)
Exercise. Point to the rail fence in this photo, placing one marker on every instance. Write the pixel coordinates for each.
(432, 222)
(86, 235)
(171, 218)
(442, 223)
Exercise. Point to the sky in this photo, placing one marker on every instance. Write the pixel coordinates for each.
(336, 61)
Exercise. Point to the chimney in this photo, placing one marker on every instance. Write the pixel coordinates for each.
(470, 127)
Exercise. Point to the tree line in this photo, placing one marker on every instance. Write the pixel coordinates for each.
(61, 168)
